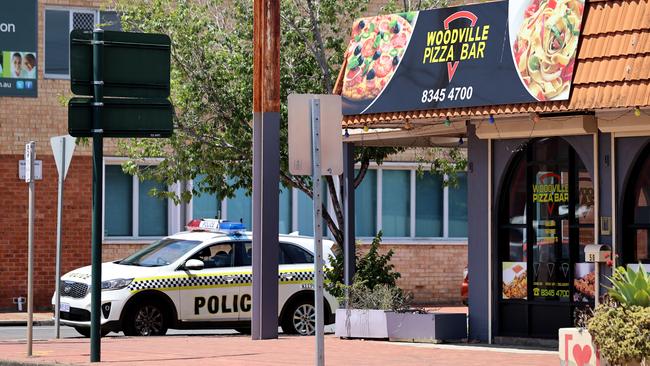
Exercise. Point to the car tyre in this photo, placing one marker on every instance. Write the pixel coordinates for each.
(146, 319)
(300, 317)
(86, 331)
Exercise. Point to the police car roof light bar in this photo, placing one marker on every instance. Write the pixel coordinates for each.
(214, 225)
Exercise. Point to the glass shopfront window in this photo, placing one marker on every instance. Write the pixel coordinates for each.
(636, 213)
(546, 216)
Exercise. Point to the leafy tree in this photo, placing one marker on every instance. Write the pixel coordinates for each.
(212, 68)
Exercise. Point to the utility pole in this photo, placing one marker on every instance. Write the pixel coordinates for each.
(266, 167)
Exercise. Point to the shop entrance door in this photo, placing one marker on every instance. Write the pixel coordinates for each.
(545, 219)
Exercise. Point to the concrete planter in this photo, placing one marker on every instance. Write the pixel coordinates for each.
(405, 327)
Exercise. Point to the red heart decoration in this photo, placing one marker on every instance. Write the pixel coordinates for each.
(582, 354)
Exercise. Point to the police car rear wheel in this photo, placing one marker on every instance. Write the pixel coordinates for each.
(301, 319)
(146, 320)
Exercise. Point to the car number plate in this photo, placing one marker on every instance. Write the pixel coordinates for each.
(64, 307)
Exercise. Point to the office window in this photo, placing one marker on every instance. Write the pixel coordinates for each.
(129, 210)
(240, 208)
(205, 205)
(458, 208)
(396, 203)
(118, 206)
(306, 212)
(429, 205)
(58, 25)
(152, 210)
(365, 203)
(285, 217)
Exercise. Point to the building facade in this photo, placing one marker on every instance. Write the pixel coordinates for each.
(548, 178)
(423, 221)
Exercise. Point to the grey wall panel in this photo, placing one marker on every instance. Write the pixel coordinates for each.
(477, 235)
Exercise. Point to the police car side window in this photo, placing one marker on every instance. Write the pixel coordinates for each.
(216, 256)
(292, 254)
(289, 254)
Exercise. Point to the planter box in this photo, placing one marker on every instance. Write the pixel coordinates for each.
(406, 327)
(356, 323)
(430, 328)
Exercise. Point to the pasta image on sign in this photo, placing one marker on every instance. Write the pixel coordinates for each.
(544, 38)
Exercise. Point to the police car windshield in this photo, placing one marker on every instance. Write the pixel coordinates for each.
(160, 253)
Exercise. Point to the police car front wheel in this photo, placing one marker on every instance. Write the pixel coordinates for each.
(145, 319)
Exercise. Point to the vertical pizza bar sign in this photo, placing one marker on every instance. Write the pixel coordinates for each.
(504, 52)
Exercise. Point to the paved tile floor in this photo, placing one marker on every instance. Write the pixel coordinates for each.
(241, 350)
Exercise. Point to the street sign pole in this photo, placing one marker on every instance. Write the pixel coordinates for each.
(59, 220)
(318, 231)
(96, 253)
(30, 156)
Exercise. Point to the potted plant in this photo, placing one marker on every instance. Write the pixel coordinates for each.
(620, 327)
(378, 309)
(617, 332)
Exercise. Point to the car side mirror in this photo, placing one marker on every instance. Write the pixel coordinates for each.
(194, 264)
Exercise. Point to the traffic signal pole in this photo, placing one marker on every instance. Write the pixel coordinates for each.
(98, 147)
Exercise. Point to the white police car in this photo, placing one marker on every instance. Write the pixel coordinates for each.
(200, 278)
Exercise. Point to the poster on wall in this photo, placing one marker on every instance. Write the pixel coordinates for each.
(18, 49)
(584, 282)
(516, 51)
(515, 283)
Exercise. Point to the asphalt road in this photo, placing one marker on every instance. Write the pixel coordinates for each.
(48, 332)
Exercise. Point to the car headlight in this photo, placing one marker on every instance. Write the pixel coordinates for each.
(116, 284)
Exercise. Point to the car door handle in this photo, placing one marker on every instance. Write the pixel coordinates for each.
(229, 278)
(287, 276)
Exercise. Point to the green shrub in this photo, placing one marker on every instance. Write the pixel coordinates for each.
(372, 269)
(630, 288)
(381, 297)
(621, 332)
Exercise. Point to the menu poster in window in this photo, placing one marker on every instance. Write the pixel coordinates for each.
(515, 284)
(551, 280)
(18, 45)
(584, 281)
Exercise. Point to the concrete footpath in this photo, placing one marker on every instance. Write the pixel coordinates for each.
(20, 319)
(287, 350)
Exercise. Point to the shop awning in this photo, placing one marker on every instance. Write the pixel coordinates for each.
(612, 72)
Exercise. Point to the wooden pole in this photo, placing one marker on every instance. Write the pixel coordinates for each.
(266, 167)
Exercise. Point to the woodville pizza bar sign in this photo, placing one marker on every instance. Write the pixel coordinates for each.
(517, 51)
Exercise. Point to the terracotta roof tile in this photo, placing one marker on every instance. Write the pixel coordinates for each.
(612, 71)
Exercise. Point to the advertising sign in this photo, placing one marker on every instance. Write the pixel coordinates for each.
(517, 51)
(18, 46)
(515, 284)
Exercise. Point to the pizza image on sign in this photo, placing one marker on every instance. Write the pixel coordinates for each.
(374, 53)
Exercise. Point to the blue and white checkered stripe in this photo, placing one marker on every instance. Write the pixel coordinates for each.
(220, 280)
(189, 282)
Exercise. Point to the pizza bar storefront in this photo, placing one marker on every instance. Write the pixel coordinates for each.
(552, 101)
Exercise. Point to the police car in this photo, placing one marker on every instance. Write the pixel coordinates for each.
(200, 278)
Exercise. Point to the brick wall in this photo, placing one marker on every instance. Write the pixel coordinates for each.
(432, 272)
(14, 225)
(111, 252)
